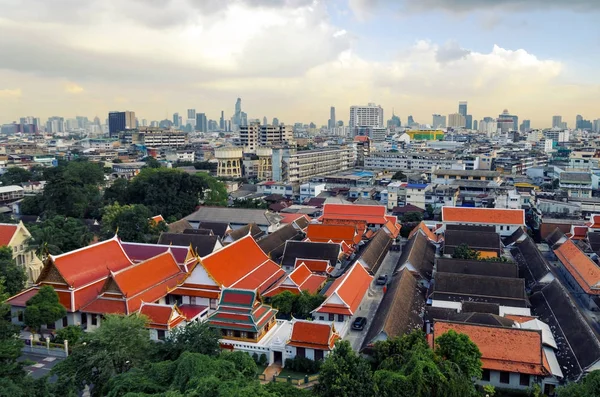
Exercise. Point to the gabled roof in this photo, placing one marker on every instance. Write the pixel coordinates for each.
(242, 264)
(484, 216)
(179, 226)
(164, 317)
(372, 214)
(157, 219)
(219, 228)
(594, 240)
(89, 264)
(234, 216)
(374, 253)
(7, 231)
(332, 233)
(315, 265)
(516, 236)
(502, 349)
(400, 310)
(418, 255)
(274, 243)
(201, 244)
(251, 229)
(481, 268)
(139, 252)
(584, 270)
(532, 264)
(240, 309)
(313, 335)
(422, 228)
(301, 220)
(300, 279)
(578, 232)
(479, 241)
(310, 250)
(595, 221)
(347, 291)
(555, 237)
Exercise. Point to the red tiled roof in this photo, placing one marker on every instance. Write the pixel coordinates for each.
(335, 233)
(581, 267)
(502, 349)
(158, 218)
(91, 263)
(22, 297)
(162, 316)
(313, 335)
(595, 224)
(314, 265)
(485, 216)
(106, 306)
(7, 231)
(519, 319)
(425, 230)
(361, 138)
(300, 274)
(347, 291)
(359, 225)
(579, 232)
(192, 311)
(373, 214)
(289, 218)
(195, 292)
(144, 275)
(300, 279)
(87, 294)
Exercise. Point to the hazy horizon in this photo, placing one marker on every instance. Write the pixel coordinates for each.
(293, 59)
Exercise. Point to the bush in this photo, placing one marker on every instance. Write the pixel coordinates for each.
(263, 359)
(72, 333)
(303, 364)
(255, 358)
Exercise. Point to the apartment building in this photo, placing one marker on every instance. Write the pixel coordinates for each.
(300, 166)
(254, 135)
(393, 161)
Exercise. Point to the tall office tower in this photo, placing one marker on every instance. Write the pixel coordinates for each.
(438, 121)
(525, 126)
(556, 121)
(191, 114)
(55, 124)
(457, 120)
(265, 120)
(366, 116)
(120, 121)
(144, 123)
(222, 121)
(394, 122)
(176, 119)
(243, 118)
(331, 122)
(469, 122)
(508, 122)
(236, 119)
(488, 119)
(475, 125)
(212, 125)
(410, 122)
(201, 122)
(596, 125)
(97, 121)
(82, 122)
(578, 120)
(462, 108)
(275, 121)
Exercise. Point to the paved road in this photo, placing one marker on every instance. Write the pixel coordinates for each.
(41, 365)
(372, 300)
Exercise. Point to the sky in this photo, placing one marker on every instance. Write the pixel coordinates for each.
(293, 59)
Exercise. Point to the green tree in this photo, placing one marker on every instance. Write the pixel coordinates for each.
(243, 363)
(71, 333)
(133, 222)
(117, 192)
(121, 343)
(345, 374)
(284, 302)
(15, 176)
(412, 217)
(57, 234)
(305, 303)
(196, 337)
(214, 191)
(13, 276)
(11, 370)
(399, 176)
(463, 251)
(459, 349)
(43, 308)
(588, 386)
(284, 389)
(151, 162)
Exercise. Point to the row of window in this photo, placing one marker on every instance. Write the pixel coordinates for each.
(524, 379)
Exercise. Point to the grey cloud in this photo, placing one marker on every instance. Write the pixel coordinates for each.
(511, 5)
(450, 51)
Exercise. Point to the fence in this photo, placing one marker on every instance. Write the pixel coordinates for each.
(46, 348)
(289, 379)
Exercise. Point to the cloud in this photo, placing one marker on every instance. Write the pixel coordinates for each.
(451, 51)
(458, 6)
(10, 93)
(73, 88)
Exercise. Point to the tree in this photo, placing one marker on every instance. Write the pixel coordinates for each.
(588, 386)
(284, 302)
(463, 251)
(15, 176)
(412, 217)
(243, 363)
(58, 234)
(345, 374)
(120, 344)
(407, 228)
(399, 176)
(43, 308)
(214, 191)
(11, 370)
(71, 333)
(305, 303)
(133, 222)
(151, 162)
(117, 192)
(459, 349)
(13, 276)
(196, 337)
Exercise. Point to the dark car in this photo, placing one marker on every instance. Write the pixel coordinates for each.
(382, 280)
(359, 323)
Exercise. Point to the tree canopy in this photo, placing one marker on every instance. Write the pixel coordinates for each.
(43, 308)
(463, 251)
(133, 222)
(589, 386)
(13, 275)
(58, 234)
(299, 306)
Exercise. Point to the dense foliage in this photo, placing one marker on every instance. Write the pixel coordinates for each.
(133, 222)
(43, 308)
(463, 251)
(58, 234)
(589, 386)
(298, 306)
(13, 275)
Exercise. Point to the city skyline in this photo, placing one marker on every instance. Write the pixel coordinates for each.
(88, 58)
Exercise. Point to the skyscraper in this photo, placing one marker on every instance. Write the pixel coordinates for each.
(222, 121)
(176, 119)
(201, 122)
(462, 108)
(331, 123)
(469, 122)
(265, 120)
(438, 121)
(582, 124)
(366, 116)
(596, 125)
(556, 121)
(120, 121)
(525, 126)
(394, 122)
(456, 120)
(475, 125)
(275, 121)
(191, 114)
(410, 121)
(507, 122)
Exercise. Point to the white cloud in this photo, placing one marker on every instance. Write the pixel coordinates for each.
(10, 93)
(73, 88)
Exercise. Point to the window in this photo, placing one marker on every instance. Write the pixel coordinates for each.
(300, 352)
(340, 318)
(331, 317)
(318, 354)
(505, 377)
(160, 334)
(20, 316)
(224, 332)
(524, 380)
(237, 334)
(84, 318)
(94, 319)
(485, 375)
(192, 300)
(65, 321)
(321, 318)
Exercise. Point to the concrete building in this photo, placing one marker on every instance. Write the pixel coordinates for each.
(366, 116)
(120, 121)
(254, 135)
(394, 161)
(507, 122)
(438, 121)
(457, 120)
(229, 162)
(158, 138)
(557, 121)
(300, 166)
(265, 163)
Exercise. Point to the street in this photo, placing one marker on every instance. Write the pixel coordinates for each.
(41, 366)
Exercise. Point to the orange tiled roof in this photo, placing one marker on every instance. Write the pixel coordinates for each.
(486, 216)
(334, 233)
(162, 316)
(578, 232)
(519, 319)
(313, 335)
(139, 277)
(91, 263)
(315, 265)
(359, 225)
(373, 214)
(581, 267)
(300, 279)
(346, 293)
(158, 218)
(289, 218)
(425, 230)
(7, 231)
(502, 349)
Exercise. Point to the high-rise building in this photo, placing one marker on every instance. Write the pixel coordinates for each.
(176, 119)
(410, 122)
(191, 114)
(462, 108)
(243, 118)
(222, 121)
(331, 123)
(469, 122)
(366, 116)
(201, 122)
(254, 135)
(55, 124)
(475, 125)
(507, 122)
(438, 121)
(457, 120)
(582, 124)
(275, 121)
(212, 125)
(556, 121)
(120, 121)
(525, 126)
(394, 122)
(596, 125)
(82, 122)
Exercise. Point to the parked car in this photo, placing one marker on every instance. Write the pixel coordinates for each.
(382, 280)
(359, 323)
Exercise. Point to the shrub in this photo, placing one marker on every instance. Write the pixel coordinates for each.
(263, 359)
(255, 358)
(303, 364)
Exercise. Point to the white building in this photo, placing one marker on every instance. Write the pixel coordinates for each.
(310, 190)
(457, 120)
(366, 116)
